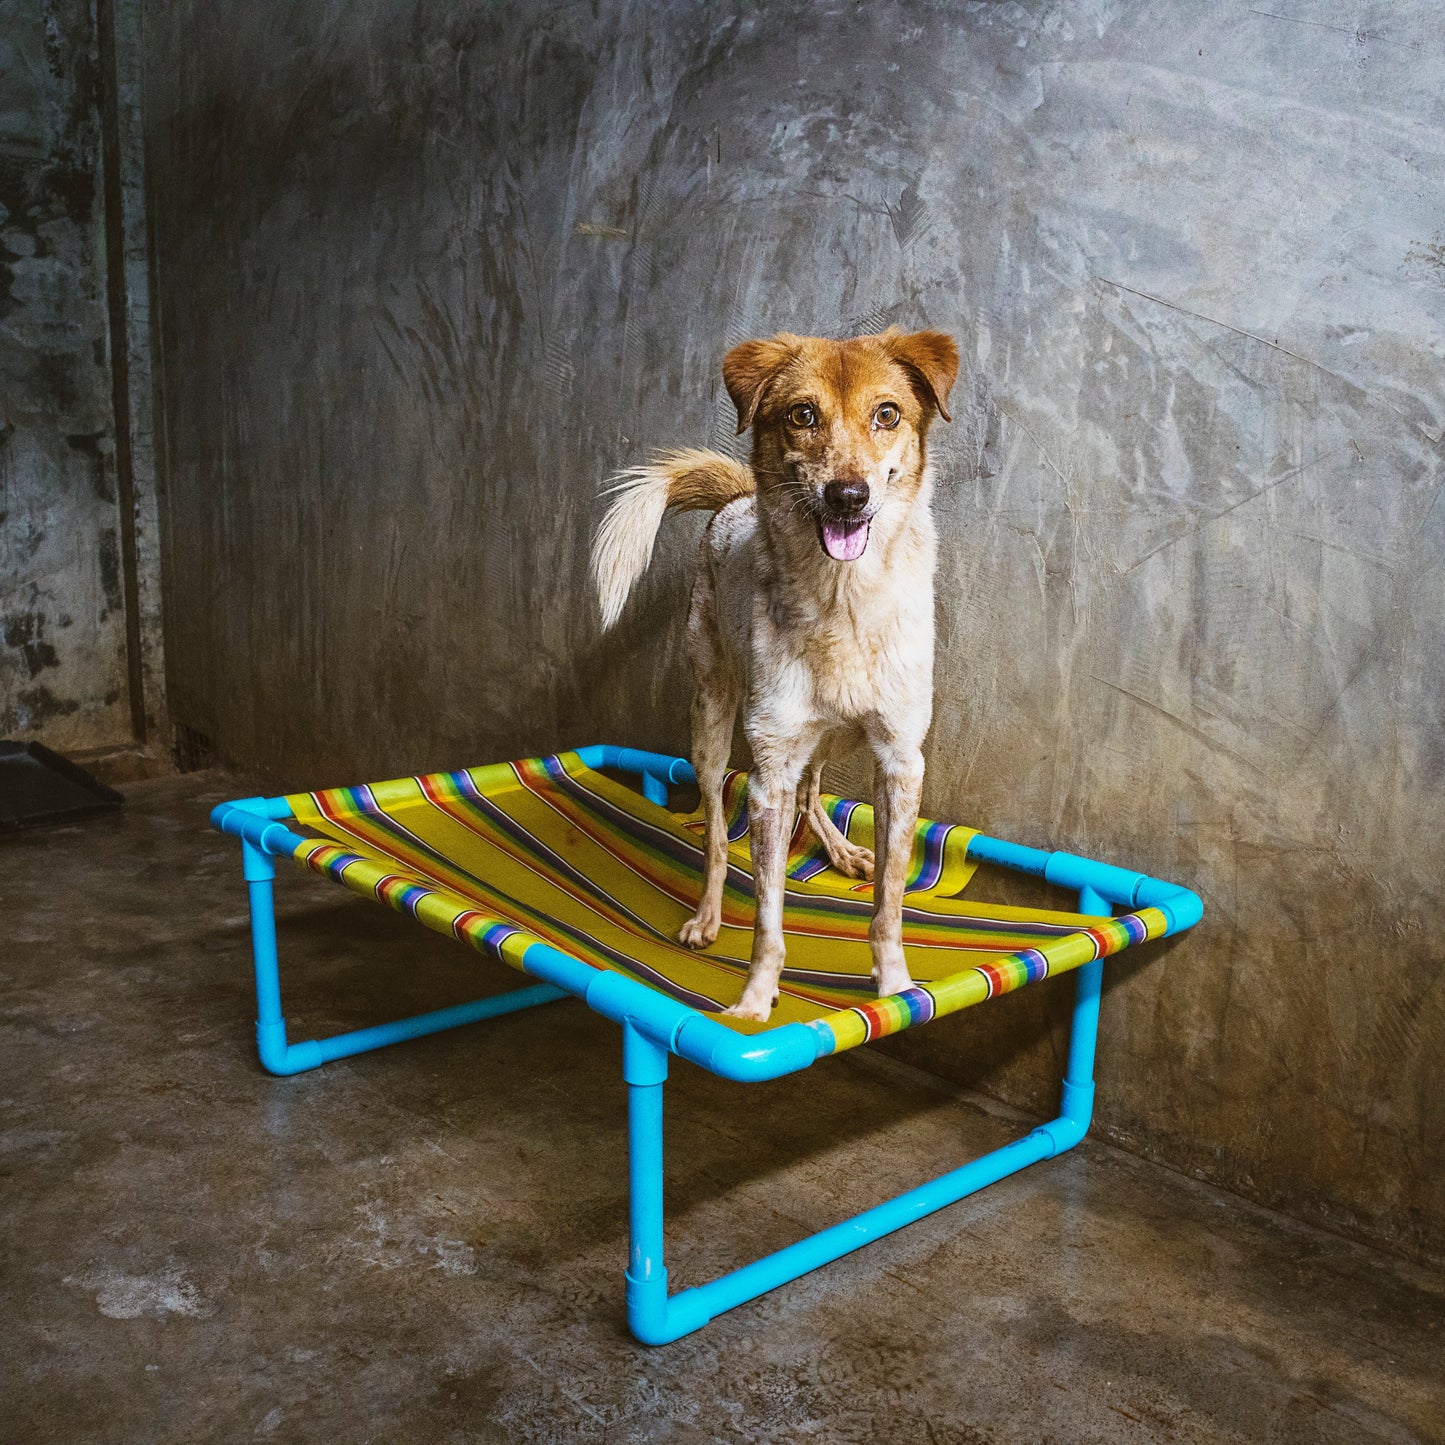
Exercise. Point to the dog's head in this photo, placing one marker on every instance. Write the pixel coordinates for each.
(840, 427)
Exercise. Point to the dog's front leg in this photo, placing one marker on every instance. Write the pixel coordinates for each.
(770, 821)
(895, 816)
(772, 794)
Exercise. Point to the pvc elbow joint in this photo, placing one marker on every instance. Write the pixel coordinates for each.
(744, 1059)
(654, 1319)
(1183, 907)
(1073, 1122)
(283, 1059)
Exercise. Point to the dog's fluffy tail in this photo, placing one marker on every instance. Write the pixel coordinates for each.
(689, 481)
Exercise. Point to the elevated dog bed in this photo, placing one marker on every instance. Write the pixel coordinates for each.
(583, 882)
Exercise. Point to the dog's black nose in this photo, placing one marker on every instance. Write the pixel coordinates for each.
(846, 494)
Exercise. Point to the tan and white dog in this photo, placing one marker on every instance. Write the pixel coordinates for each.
(812, 609)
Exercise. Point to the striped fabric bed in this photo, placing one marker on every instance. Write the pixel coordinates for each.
(548, 849)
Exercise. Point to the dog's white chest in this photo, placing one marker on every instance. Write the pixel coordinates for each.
(875, 664)
(843, 666)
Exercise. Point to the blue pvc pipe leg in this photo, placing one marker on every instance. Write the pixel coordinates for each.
(654, 789)
(644, 1067)
(260, 872)
(1078, 1093)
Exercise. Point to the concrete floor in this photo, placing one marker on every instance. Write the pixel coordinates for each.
(426, 1244)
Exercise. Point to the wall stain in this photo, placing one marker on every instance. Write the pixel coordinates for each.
(99, 447)
(25, 634)
(36, 706)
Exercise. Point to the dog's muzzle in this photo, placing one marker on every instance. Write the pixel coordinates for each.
(843, 526)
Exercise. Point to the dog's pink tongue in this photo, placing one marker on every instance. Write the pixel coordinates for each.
(844, 541)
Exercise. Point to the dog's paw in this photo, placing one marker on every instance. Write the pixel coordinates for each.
(891, 982)
(746, 1008)
(854, 862)
(890, 972)
(700, 930)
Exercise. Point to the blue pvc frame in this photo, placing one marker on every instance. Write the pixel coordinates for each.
(654, 1025)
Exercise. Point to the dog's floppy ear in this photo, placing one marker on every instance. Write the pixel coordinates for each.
(931, 359)
(748, 368)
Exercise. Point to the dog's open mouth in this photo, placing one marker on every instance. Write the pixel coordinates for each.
(843, 538)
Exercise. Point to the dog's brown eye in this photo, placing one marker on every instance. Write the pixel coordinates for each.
(803, 415)
(887, 416)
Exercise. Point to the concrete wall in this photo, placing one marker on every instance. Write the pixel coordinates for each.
(62, 605)
(80, 650)
(428, 274)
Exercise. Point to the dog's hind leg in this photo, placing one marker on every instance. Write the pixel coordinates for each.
(714, 706)
(716, 692)
(847, 857)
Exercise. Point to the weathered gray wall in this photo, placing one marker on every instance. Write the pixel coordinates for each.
(427, 274)
(79, 533)
(62, 609)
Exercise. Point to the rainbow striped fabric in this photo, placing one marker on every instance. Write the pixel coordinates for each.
(547, 849)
